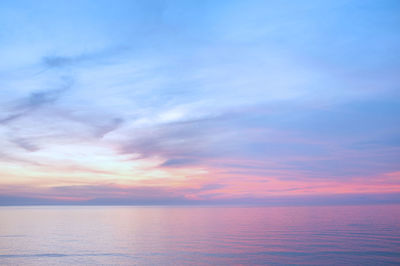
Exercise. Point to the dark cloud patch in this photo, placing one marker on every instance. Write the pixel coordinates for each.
(177, 162)
(37, 100)
(40, 98)
(25, 144)
(57, 61)
(111, 125)
(10, 118)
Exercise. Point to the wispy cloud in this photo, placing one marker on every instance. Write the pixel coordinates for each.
(25, 144)
(37, 100)
(104, 56)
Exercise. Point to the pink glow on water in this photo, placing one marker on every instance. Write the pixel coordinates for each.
(356, 235)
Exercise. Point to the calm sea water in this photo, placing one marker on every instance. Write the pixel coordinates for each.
(356, 235)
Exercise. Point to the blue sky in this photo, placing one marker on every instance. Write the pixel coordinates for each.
(199, 100)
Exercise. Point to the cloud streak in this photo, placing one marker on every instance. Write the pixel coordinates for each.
(57, 61)
(37, 100)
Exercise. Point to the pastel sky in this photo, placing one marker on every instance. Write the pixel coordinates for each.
(199, 101)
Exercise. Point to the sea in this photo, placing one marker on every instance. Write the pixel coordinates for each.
(200, 235)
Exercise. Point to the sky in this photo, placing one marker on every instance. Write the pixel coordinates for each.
(196, 102)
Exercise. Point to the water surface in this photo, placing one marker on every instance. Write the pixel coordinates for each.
(332, 235)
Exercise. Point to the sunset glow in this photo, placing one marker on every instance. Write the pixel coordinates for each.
(161, 102)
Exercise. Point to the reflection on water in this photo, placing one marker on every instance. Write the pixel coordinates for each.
(361, 235)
